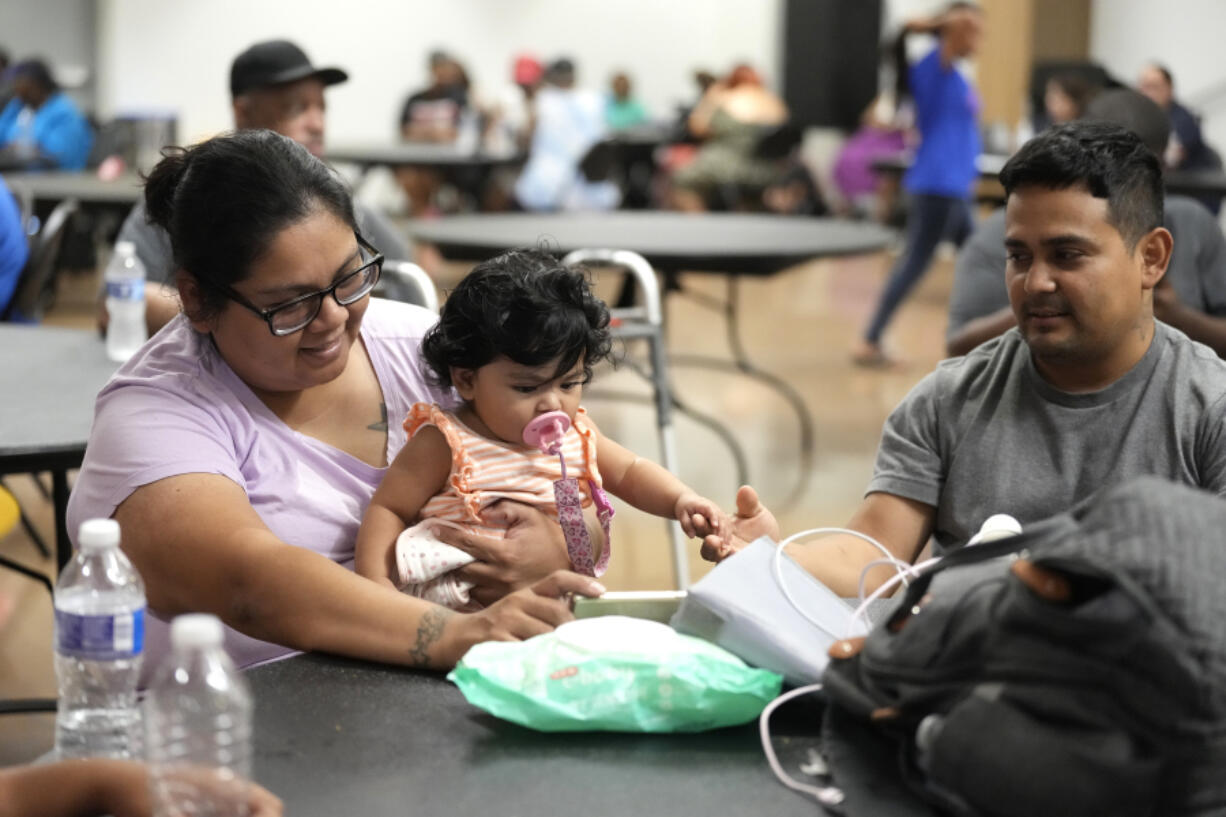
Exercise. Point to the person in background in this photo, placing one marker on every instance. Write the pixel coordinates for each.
(568, 121)
(509, 119)
(508, 129)
(1065, 97)
(943, 175)
(239, 447)
(1187, 149)
(14, 248)
(95, 787)
(434, 113)
(623, 110)
(882, 133)
(41, 126)
(273, 85)
(1191, 296)
(6, 81)
(437, 114)
(731, 118)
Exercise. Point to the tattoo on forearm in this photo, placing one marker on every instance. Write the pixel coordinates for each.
(428, 632)
(381, 425)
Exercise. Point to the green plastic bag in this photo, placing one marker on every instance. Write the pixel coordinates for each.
(614, 674)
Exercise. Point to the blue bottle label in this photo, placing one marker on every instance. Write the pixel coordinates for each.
(129, 289)
(100, 637)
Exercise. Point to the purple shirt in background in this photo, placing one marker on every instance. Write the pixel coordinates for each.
(177, 408)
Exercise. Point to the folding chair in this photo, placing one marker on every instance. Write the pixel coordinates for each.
(407, 282)
(9, 514)
(36, 289)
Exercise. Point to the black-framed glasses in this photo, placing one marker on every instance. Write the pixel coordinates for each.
(293, 316)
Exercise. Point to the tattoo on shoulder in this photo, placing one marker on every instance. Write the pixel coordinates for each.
(428, 632)
(381, 425)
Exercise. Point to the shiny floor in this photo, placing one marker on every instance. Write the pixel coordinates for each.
(799, 324)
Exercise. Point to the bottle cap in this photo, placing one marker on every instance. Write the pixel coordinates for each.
(125, 248)
(98, 533)
(196, 630)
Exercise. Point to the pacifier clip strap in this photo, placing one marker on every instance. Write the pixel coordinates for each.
(570, 516)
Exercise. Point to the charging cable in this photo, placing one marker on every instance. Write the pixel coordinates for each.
(997, 526)
(826, 795)
(900, 566)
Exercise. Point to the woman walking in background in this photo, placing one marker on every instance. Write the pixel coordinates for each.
(940, 180)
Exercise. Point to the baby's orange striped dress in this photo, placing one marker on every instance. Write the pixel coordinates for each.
(484, 471)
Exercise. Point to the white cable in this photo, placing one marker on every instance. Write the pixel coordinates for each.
(826, 795)
(909, 569)
(777, 564)
(886, 586)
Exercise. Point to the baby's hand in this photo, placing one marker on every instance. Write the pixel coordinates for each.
(700, 517)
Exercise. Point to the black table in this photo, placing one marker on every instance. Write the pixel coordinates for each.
(84, 186)
(733, 244)
(49, 378)
(425, 154)
(337, 737)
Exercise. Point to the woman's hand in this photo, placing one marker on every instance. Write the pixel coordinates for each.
(533, 548)
(531, 611)
(752, 519)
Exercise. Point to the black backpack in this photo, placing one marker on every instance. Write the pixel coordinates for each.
(1078, 669)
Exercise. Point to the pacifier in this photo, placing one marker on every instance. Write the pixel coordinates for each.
(545, 431)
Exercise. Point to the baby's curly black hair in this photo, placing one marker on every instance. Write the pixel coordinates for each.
(522, 305)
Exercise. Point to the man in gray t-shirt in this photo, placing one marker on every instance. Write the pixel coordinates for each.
(272, 85)
(1087, 391)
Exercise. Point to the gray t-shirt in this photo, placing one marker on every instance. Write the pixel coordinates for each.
(986, 434)
(1197, 270)
(153, 243)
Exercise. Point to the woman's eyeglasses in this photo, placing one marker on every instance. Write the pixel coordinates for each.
(293, 316)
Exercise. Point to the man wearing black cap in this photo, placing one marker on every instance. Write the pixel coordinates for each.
(273, 85)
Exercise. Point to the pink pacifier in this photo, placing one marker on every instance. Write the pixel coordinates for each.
(545, 431)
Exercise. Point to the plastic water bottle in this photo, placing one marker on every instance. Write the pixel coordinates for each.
(198, 725)
(99, 636)
(125, 302)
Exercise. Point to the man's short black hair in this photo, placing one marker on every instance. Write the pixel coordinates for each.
(1109, 161)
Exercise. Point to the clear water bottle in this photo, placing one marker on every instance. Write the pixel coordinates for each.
(99, 636)
(125, 302)
(198, 725)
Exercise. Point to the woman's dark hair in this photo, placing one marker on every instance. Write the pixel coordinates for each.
(223, 202)
(522, 305)
(1109, 161)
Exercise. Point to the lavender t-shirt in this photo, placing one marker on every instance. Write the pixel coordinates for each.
(177, 408)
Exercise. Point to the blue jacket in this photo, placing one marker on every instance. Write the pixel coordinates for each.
(60, 130)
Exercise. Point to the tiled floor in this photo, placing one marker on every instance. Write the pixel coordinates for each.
(798, 324)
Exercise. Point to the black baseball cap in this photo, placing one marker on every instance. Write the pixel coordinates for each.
(275, 62)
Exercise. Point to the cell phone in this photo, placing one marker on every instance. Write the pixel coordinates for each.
(653, 605)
